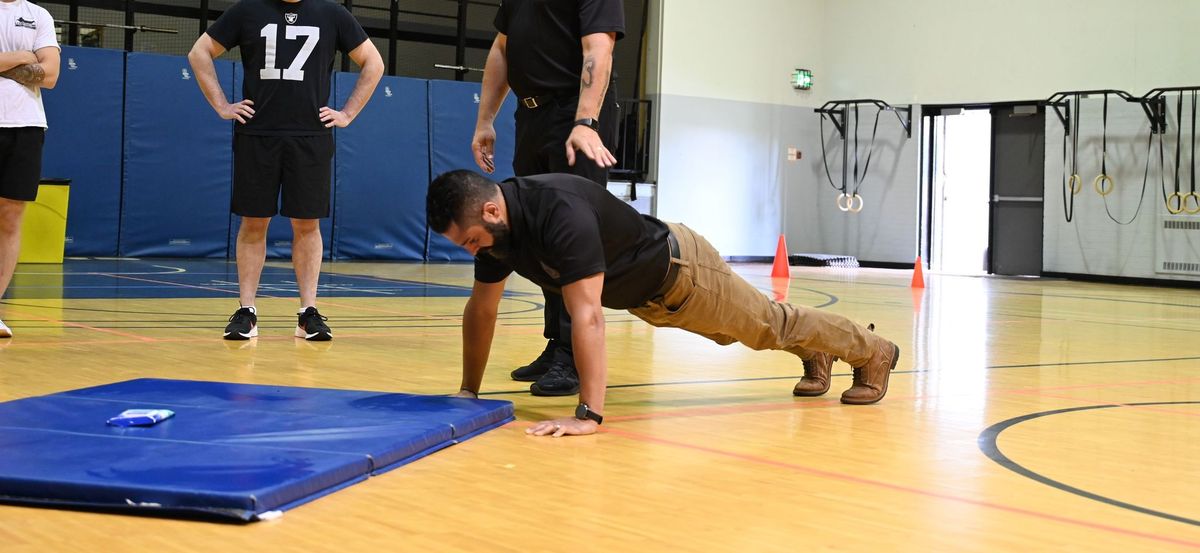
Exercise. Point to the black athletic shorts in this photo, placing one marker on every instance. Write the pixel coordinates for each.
(21, 162)
(297, 165)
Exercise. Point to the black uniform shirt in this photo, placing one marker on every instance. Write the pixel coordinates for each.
(287, 54)
(544, 51)
(564, 228)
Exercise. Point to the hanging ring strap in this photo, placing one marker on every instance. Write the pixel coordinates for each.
(1075, 182)
(1103, 177)
(1191, 202)
(854, 172)
(1145, 181)
(870, 152)
(1068, 198)
(825, 160)
(1175, 200)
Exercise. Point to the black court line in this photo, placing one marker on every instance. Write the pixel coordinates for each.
(989, 447)
(913, 371)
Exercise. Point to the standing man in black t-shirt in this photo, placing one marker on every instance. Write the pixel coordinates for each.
(547, 228)
(284, 133)
(557, 57)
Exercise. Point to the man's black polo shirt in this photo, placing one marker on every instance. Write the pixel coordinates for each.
(564, 228)
(544, 51)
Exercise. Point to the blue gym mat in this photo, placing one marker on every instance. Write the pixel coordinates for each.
(231, 450)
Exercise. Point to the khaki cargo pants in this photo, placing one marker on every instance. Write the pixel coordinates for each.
(709, 299)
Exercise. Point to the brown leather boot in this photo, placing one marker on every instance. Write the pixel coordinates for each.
(816, 375)
(871, 379)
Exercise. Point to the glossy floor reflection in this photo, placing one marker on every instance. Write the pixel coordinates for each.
(1024, 415)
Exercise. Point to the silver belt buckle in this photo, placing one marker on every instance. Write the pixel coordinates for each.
(530, 102)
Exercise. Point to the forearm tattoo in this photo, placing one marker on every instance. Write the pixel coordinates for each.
(28, 75)
(589, 68)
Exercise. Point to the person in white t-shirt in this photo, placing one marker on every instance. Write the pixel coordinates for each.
(29, 59)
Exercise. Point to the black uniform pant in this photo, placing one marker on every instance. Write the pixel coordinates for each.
(541, 148)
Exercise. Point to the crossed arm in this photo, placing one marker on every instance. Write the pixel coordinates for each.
(38, 68)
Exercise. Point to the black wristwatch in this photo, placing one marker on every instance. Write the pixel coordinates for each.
(589, 123)
(583, 412)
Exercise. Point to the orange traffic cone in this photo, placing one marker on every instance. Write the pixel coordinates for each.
(781, 269)
(918, 279)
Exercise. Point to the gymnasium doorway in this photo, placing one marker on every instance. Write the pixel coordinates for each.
(983, 188)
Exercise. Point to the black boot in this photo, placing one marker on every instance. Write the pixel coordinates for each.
(539, 366)
(561, 380)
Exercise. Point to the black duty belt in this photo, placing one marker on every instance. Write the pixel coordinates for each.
(672, 267)
(534, 102)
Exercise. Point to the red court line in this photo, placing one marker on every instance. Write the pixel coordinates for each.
(137, 337)
(896, 487)
(180, 284)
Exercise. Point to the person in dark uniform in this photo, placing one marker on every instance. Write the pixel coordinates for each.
(547, 228)
(283, 139)
(557, 58)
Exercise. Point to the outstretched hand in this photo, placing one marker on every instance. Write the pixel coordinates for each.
(562, 427)
(588, 142)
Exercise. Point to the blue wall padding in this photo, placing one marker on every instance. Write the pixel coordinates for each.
(83, 144)
(232, 450)
(178, 161)
(279, 233)
(382, 171)
(453, 109)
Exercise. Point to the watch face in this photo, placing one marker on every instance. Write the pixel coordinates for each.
(581, 411)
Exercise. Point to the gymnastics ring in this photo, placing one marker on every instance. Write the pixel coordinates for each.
(860, 204)
(1196, 200)
(849, 201)
(1075, 183)
(1099, 184)
(1178, 206)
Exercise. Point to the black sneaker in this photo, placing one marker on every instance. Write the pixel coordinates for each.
(243, 325)
(539, 366)
(312, 326)
(561, 380)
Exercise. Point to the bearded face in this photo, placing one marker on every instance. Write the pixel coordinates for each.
(501, 246)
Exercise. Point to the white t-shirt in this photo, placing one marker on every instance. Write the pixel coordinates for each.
(23, 26)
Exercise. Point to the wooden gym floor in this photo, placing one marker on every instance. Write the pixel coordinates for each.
(1025, 414)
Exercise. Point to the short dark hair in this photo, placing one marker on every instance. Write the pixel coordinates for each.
(456, 197)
